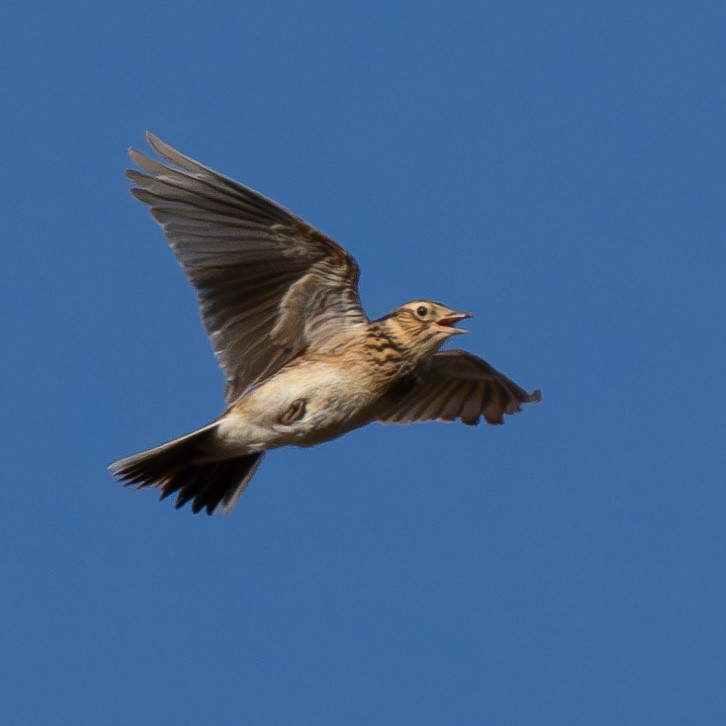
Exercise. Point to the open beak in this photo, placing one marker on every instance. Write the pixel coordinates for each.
(452, 319)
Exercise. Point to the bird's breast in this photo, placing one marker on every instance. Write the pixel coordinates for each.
(384, 360)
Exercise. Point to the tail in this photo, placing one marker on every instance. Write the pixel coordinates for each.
(183, 465)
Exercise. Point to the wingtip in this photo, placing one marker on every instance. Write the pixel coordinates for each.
(151, 139)
(157, 144)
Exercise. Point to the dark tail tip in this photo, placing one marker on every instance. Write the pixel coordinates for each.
(207, 486)
(175, 467)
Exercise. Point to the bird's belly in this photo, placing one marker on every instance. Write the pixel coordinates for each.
(301, 406)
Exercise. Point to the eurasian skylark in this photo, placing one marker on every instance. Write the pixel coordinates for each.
(279, 301)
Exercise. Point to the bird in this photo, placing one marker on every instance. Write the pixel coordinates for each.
(303, 363)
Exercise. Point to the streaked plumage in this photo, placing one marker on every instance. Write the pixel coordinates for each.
(279, 302)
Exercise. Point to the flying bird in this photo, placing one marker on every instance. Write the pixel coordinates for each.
(303, 363)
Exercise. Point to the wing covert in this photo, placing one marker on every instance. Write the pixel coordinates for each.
(268, 285)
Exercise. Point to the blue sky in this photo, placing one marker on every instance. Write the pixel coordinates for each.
(557, 169)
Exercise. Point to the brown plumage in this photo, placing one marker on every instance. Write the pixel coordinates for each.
(303, 364)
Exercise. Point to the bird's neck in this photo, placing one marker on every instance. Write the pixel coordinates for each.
(388, 349)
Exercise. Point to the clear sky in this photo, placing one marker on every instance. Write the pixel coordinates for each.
(558, 169)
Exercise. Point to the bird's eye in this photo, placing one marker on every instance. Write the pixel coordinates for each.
(421, 311)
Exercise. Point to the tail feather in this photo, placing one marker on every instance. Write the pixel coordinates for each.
(214, 484)
(183, 466)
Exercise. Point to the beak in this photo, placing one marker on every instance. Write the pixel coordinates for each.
(448, 322)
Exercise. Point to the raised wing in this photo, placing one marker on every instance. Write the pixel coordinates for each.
(456, 385)
(269, 286)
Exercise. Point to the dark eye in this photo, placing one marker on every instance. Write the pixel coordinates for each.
(421, 311)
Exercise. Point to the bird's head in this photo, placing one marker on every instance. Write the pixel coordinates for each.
(423, 325)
